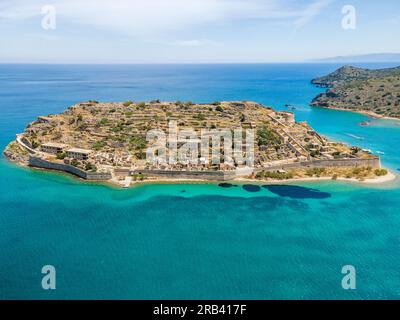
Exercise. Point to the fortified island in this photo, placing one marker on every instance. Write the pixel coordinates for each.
(107, 142)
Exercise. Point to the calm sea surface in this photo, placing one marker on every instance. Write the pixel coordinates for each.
(193, 241)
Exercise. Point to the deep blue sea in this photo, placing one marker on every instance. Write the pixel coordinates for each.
(193, 241)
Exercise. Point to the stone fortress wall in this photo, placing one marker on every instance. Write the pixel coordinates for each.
(205, 175)
(41, 163)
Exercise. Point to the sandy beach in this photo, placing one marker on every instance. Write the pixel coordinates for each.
(377, 180)
(370, 114)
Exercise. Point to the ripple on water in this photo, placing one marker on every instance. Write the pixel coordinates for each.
(297, 192)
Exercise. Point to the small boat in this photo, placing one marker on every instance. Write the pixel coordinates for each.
(365, 123)
(380, 152)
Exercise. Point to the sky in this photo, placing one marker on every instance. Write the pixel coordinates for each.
(193, 31)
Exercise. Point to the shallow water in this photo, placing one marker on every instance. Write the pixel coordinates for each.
(193, 240)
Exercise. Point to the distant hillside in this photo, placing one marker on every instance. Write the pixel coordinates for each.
(358, 89)
(346, 74)
(373, 57)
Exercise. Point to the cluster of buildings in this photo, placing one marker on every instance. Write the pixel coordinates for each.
(73, 153)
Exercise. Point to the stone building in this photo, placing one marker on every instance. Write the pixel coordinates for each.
(52, 147)
(79, 154)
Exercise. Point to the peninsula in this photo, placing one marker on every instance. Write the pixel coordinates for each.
(107, 142)
(372, 92)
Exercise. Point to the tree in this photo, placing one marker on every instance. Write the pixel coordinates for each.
(60, 155)
(127, 103)
(219, 108)
(35, 144)
(90, 166)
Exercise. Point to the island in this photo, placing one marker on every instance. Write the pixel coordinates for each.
(372, 92)
(108, 142)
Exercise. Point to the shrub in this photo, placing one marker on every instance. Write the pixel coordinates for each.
(200, 117)
(380, 172)
(60, 155)
(315, 171)
(219, 109)
(267, 137)
(103, 121)
(35, 144)
(90, 167)
(141, 104)
(99, 145)
(127, 103)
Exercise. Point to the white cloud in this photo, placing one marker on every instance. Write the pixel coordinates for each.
(155, 17)
(310, 12)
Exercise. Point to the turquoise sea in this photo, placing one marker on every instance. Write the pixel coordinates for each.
(200, 240)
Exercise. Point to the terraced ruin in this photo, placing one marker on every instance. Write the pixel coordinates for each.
(107, 141)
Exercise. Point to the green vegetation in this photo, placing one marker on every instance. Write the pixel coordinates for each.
(275, 175)
(103, 121)
(380, 172)
(74, 162)
(127, 103)
(60, 155)
(90, 167)
(266, 137)
(377, 91)
(311, 172)
(200, 117)
(35, 144)
(219, 109)
(138, 142)
(141, 105)
(98, 145)
(138, 177)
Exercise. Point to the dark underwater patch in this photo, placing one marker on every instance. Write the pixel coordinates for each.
(226, 185)
(251, 188)
(296, 192)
